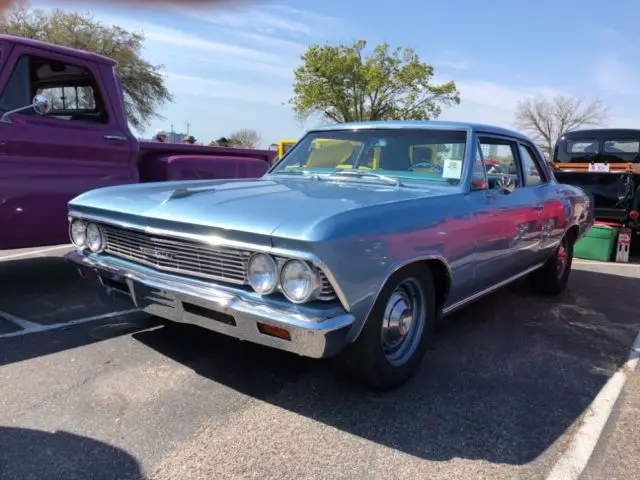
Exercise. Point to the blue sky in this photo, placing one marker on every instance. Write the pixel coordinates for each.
(231, 67)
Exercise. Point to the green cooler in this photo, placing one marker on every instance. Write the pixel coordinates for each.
(597, 244)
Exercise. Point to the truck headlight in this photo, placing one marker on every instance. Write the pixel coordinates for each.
(94, 240)
(78, 233)
(299, 282)
(262, 273)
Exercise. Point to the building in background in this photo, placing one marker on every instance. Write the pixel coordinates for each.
(175, 137)
(172, 137)
(489, 151)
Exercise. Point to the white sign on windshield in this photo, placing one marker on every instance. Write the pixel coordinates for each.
(452, 169)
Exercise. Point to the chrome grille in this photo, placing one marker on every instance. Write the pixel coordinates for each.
(188, 257)
(176, 255)
(327, 293)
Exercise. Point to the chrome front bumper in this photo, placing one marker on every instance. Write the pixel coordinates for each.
(313, 332)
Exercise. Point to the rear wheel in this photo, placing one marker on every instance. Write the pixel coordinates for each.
(392, 344)
(552, 277)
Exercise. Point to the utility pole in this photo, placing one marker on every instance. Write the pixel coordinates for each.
(188, 125)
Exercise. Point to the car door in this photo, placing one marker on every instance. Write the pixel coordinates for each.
(507, 216)
(45, 161)
(536, 179)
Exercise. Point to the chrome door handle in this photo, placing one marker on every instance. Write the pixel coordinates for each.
(116, 138)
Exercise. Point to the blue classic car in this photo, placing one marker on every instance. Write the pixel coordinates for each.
(356, 243)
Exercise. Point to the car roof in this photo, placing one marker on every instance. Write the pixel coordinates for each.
(401, 124)
(59, 49)
(602, 132)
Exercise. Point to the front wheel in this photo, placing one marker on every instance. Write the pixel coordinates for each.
(392, 344)
(552, 277)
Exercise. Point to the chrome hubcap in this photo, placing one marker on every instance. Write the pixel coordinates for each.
(403, 321)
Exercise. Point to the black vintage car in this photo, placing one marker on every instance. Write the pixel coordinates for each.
(616, 152)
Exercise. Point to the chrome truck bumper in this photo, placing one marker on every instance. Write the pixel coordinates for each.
(311, 332)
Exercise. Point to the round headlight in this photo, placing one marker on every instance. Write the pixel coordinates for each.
(94, 237)
(78, 233)
(262, 273)
(298, 281)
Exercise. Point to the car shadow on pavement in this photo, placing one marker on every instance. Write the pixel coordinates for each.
(62, 456)
(46, 290)
(502, 381)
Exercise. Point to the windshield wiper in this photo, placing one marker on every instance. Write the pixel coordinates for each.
(360, 174)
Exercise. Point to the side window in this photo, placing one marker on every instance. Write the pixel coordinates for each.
(500, 160)
(532, 173)
(16, 92)
(72, 89)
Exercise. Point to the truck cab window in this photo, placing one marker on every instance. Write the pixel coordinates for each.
(72, 89)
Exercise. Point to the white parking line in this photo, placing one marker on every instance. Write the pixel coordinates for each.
(21, 322)
(575, 458)
(34, 252)
(36, 327)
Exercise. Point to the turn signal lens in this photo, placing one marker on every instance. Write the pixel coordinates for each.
(273, 331)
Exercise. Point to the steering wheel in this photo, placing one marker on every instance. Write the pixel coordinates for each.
(435, 166)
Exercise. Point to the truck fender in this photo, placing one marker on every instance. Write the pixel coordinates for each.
(202, 167)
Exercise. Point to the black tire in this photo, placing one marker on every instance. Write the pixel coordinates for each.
(366, 358)
(551, 278)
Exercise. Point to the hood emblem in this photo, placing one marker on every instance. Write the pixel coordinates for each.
(156, 253)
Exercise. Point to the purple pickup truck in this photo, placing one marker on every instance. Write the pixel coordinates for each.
(64, 131)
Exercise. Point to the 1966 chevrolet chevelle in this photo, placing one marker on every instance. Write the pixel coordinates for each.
(355, 243)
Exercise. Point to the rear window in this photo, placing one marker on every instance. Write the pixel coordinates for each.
(622, 146)
(582, 146)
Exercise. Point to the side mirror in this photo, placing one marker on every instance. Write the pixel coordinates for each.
(40, 104)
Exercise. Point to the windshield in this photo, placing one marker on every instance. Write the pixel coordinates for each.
(406, 154)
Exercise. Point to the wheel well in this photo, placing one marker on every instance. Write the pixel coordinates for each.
(441, 280)
(573, 233)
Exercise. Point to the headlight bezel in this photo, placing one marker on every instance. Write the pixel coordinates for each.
(315, 285)
(276, 273)
(100, 233)
(84, 224)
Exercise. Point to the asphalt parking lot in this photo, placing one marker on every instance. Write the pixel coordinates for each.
(89, 389)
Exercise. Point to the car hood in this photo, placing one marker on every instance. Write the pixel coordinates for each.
(259, 206)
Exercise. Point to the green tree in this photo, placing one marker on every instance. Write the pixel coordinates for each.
(143, 84)
(343, 84)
